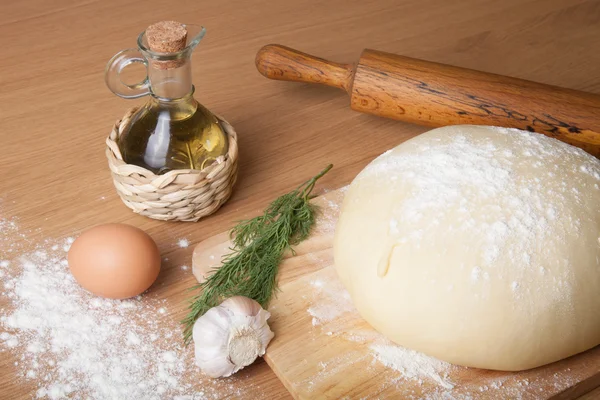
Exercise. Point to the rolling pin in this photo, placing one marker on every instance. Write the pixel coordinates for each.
(433, 94)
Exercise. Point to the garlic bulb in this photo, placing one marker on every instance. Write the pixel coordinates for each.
(230, 336)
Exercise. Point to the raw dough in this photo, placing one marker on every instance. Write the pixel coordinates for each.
(477, 245)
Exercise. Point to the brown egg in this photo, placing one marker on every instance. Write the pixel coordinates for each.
(116, 261)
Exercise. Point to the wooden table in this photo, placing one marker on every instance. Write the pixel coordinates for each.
(56, 111)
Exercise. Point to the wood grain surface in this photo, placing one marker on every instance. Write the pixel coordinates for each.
(56, 111)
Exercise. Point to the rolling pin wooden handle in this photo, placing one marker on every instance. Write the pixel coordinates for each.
(286, 64)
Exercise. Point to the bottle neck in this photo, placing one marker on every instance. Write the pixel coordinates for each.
(171, 83)
(175, 108)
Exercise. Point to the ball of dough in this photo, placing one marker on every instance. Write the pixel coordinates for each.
(477, 245)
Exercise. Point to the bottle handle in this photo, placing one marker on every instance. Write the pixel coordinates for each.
(112, 74)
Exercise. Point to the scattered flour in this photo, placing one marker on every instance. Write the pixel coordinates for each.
(71, 344)
(10, 237)
(335, 301)
(329, 211)
(183, 243)
(412, 364)
(74, 343)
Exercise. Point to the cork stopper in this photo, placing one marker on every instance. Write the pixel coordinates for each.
(166, 37)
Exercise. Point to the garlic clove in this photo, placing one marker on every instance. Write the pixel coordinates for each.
(218, 368)
(265, 334)
(242, 305)
(231, 336)
(209, 353)
(260, 319)
(214, 326)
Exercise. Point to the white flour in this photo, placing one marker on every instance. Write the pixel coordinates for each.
(336, 302)
(183, 243)
(412, 364)
(69, 343)
(328, 213)
(72, 342)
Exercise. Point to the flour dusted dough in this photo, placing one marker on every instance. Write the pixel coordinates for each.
(477, 245)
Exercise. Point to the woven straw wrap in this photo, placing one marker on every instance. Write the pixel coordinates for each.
(178, 195)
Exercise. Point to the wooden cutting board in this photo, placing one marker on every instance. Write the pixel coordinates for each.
(324, 349)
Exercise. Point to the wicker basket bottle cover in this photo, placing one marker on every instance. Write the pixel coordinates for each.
(170, 159)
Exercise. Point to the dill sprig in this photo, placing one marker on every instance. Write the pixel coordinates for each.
(258, 246)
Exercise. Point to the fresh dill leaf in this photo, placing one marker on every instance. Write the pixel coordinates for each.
(258, 246)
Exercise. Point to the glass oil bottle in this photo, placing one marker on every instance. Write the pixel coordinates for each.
(172, 130)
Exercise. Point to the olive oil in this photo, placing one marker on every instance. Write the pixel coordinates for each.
(168, 134)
